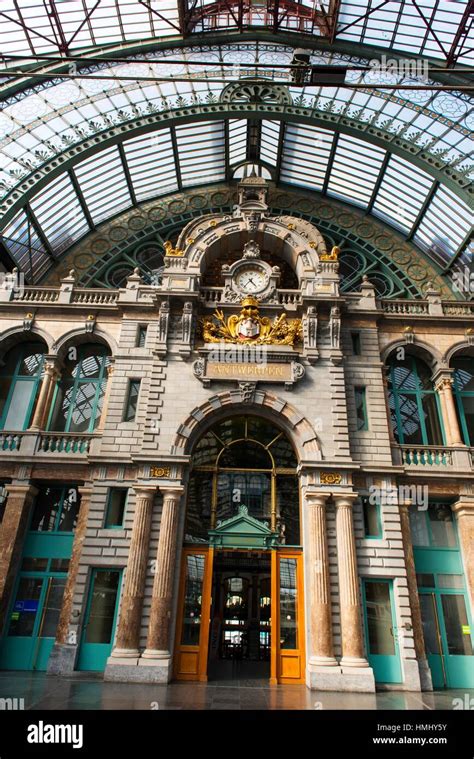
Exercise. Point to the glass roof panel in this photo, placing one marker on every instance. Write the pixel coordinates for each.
(60, 215)
(305, 157)
(201, 151)
(150, 161)
(103, 183)
(355, 170)
(403, 190)
(237, 141)
(269, 141)
(444, 226)
(25, 247)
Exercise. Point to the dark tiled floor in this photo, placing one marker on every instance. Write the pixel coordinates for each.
(89, 692)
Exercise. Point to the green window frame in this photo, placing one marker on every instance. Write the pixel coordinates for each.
(61, 500)
(373, 528)
(464, 397)
(141, 335)
(131, 404)
(422, 523)
(413, 402)
(79, 393)
(117, 499)
(14, 379)
(361, 409)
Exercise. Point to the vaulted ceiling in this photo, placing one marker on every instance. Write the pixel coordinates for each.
(107, 104)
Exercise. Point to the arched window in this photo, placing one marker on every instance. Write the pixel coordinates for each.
(464, 393)
(20, 377)
(79, 394)
(413, 402)
(244, 461)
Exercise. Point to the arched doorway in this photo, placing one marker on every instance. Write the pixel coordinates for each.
(240, 610)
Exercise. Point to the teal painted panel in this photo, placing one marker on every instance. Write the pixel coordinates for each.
(16, 653)
(436, 668)
(93, 656)
(54, 546)
(444, 561)
(460, 671)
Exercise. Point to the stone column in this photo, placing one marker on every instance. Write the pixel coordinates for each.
(414, 600)
(349, 597)
(12, 533)
(444, 388)
(464, 513)
(65, 646)
(45, 393)
(322, 652)
(158, 643)
(128, 631)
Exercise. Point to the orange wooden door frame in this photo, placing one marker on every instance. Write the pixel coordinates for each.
(190, 662)
(288, 665)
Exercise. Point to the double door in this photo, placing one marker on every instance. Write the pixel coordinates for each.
(281, 617)
(32, 623)
(448, 638)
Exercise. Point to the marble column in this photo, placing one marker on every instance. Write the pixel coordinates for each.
(414, 600)
(65, 646)
(158, 643)
(128, 630)
(45, 394)
(464, 514)
(322, 652)
(349, 597)
(444, 388)
(12, 534)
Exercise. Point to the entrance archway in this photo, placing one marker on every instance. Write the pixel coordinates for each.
(241, 591)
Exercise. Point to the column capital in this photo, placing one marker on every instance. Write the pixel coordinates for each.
(173, 492)
(442, 377)
(464, 506)
(85, 491)
(344, 500)
(145, 491)
(18, 489)
(316, 497)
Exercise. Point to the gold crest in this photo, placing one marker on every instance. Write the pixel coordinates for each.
(251, 328)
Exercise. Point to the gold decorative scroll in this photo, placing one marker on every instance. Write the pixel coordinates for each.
(331, 478)
(332, 256)
(250, 328)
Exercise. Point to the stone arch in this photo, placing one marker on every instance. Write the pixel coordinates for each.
(15, 335)
(426, 352)
(459, 349)
(296, 241)
(80, 336)
(265, 404)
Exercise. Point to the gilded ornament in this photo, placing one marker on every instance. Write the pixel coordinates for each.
(250, 327)
(170, 251)
(332, 256)
(331, 478)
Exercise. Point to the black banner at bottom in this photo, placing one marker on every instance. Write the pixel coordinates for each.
(124, 733)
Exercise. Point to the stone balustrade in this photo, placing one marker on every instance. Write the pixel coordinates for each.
(63, 442)
(403, 307)
(428, 455)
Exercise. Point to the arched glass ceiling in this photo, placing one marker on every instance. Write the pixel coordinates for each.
(56, 116)
(435, 28)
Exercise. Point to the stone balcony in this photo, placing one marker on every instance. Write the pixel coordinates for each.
(433, 458)
(47, 445)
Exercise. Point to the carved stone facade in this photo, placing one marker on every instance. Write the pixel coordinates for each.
(311, 389)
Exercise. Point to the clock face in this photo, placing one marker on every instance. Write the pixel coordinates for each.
(251, 279)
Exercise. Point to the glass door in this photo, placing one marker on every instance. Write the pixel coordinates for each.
(192, 630)
(100, 618)
(433, 640)
(381, 632)
(32, 624)
(288, 653)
